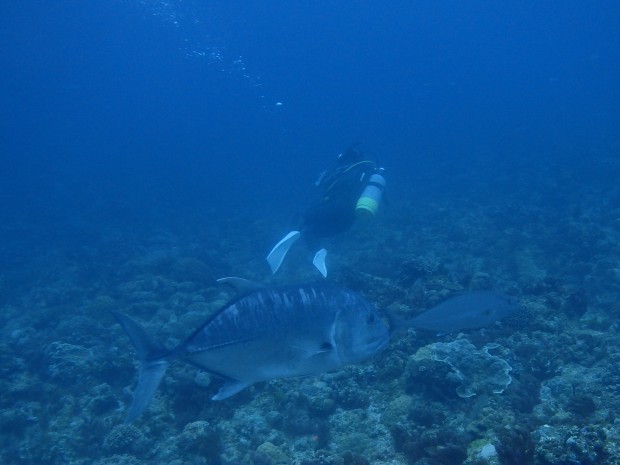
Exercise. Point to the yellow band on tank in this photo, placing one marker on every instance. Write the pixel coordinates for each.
(367, 206)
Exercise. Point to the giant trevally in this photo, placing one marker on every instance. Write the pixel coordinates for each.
(468, 310)
(266, 334)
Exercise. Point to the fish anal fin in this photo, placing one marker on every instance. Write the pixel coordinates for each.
(232, 387)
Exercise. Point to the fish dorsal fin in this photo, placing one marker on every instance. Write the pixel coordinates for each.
(240, 285)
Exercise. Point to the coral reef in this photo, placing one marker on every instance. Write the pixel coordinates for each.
(538, 388)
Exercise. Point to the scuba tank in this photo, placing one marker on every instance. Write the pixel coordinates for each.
(368, 203)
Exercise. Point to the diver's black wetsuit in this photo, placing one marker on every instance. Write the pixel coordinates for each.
(335, 213)
(343, 194)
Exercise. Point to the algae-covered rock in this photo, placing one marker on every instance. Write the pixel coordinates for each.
(120, 459)
(101, 304)
(200, 438)
(350, 458)
(361, 432)
(351, 396)
(101, 400)
(482, 452)
(396, 411)
(68, 362)
(266, 454)
(125, 439)
(475, 371)
(570, 444)
(322, 406)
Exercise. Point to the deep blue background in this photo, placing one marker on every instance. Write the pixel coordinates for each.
(117, 112)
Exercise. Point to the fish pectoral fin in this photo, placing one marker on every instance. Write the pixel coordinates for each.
(232, 387)
(313, 351)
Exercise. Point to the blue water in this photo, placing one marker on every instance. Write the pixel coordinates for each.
(156, 106)
(139, 135)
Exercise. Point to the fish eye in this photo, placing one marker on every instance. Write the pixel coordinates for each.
(327, 346)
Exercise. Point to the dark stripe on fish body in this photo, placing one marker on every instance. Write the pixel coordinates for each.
(268, 311)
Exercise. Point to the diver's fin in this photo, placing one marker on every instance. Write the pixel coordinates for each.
(240, 285)
(152, 356)
(277, 254)
(229, 389)
(319, 262)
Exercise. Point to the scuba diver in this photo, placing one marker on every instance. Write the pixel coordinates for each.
(353, 189)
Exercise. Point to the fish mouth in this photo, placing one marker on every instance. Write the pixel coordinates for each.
(379, 344)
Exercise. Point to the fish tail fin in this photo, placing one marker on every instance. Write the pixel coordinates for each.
(153, 364)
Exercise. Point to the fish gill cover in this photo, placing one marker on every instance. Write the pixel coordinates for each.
(149, 147)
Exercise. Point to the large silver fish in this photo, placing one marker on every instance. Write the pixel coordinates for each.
(266, 334)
